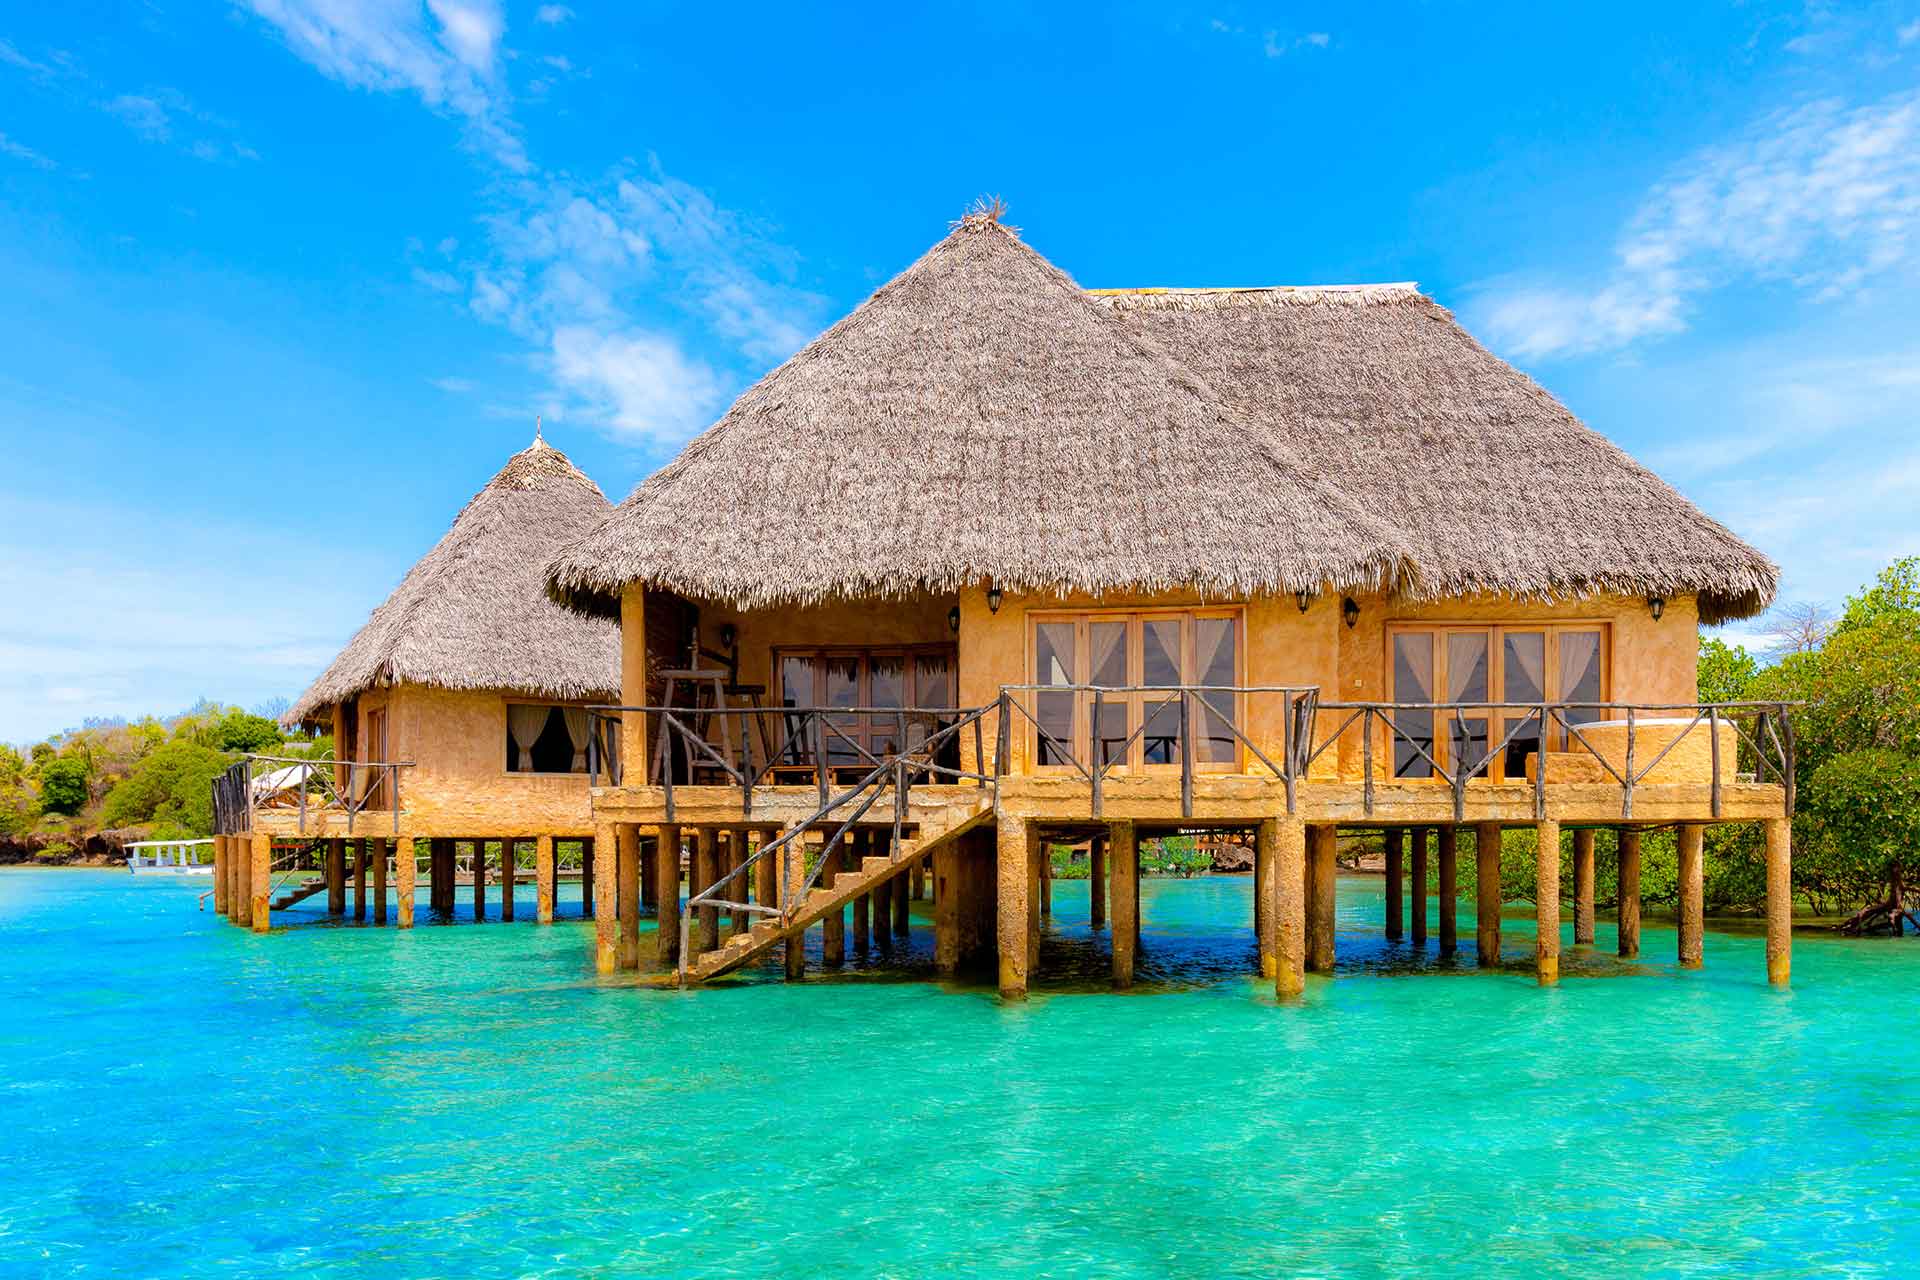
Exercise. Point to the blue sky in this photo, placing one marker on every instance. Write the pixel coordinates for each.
(287, 280)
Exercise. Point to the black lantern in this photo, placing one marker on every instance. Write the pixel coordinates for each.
(1656, 605)
(993, 598)
(1305, 598)
(1350, 610)
(953, 619)
(727, 635)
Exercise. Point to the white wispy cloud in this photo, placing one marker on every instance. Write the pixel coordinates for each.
(20, 151)
(1910, 33)
(452, 386)
(641, 298)
(552, 14)
(1274, 43)
(1822, 196)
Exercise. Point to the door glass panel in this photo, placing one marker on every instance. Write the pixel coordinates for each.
(933, 682)
(1412, 682)
(1107, 650)
(886, 687)
(1215, 656)
(796, 690)
(1053, 664)
(1467, 681)
(1160, 665)
(1580, 675)
(1523, 659)
(843, 690)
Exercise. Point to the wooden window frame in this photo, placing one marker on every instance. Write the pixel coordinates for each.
(868, 735)
(506, 732)
(1496, 631)
(1080, 743)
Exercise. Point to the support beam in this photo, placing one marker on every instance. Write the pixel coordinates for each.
(1046, 881)
(380, 850)
(767, 872)
(1321, 886)
(336, 874)
(479, 881)
(1546, 903)
(509, 872)
(902, 921)
(1693, 921)
(741, 883)
(543, 878)
(1449, 889)
(1290, 907)
(606, 929)
(862, 905)
(626, 880)
(1418, 876)
(1123, 839)
(1487, 896)
(1097, 883)
(705, 872)
(406, 869)
(833, 926)
(1629, 894)
(1266, 844)
(1014, 855)
(1396, 841)
(793, 874)
(360, 849)
(919, 874)
(649, 877)
(262, 881)
(1583, 887)
(587, 879)
(222, 868)
(1779, 901)
(240, 909)
(666, 875)
(946, 907)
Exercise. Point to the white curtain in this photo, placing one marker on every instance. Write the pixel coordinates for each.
(579, 727)
(525, 724)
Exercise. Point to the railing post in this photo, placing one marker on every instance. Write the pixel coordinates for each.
(1459, 778)
(1366, 751)
(1626, 802)
(1005, 744)
(1713, 729)
(1540, 767)
(820, 755)
(1186, 756)
(1094, 756)
(305, 776)
(1289, 743)
(1790, 767)
(979, 753)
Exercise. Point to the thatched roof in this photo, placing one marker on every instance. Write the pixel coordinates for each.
(474, 614)
(980, 418)
(1493, 483)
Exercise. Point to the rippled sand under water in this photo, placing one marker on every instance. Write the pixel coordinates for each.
(184, 1099)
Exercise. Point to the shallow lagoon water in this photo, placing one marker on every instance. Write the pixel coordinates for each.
(181, 1098)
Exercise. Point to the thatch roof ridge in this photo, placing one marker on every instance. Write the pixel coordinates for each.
(473, 612)
(994, 389)
(1391, 397)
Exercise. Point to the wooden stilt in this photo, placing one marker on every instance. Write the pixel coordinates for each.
(1014, 855)
(1097, 882)
(543, 878)
(586, 879)
(1629, 894)
(1289, 907)
(1417, 875)
(509, 872)
(706, 851)
(833, 926)
(222, 868)
(1046, 880)
(1487, 894)
(1321, 889)
(742, 883)
(766, 887)
(919, 874)
(360, 848)
(406, 868)
(240, 893)
(946, 908)
(336, 873)
(262, 880)
(381, 850)
(606, 928)
(793, 876)
(1449, 889)
(1692, 869)
(1396, 840)
(1779, 901)
(666, 858)
(1037, 855)
(1546, 903)
(479, 881)
(902, 920)
(626, 884)
(1123, 841)
(1266, 839)
(1583, 887)
(862, 905)
(649, 875)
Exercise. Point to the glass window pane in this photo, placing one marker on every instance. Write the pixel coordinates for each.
(1161, 741)
(796, 681)
(843, 690)
(1580, 674)
(1160, 651)
(886, 687)
(1217, 667)
(1412, 682)
(796, 690)
(1107, 649)
(1466, 666)
(1053, 662)
(933, 681)
(1523, 660)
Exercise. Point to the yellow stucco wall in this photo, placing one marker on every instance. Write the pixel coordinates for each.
(459, 782)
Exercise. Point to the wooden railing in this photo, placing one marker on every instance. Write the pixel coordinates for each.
(302, 786)
(1764, 739)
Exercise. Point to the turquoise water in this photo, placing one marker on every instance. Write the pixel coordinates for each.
(185, 1099)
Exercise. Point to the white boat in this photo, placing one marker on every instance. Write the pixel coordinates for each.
(170, 857)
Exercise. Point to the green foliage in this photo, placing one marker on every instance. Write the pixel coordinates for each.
(1726, 671)
(1859, 826)
(173, 786)
(1065, 867)
(59, 851)
(1894, 596)
(63, 785)
(1173, 856)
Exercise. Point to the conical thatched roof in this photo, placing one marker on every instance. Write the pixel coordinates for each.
(474, 614)
(1493, 483)
(980, 418)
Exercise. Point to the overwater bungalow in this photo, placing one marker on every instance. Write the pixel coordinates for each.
(458, 714)
(998, 562)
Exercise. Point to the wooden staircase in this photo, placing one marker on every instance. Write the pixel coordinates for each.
(300, 893)
(771, 931)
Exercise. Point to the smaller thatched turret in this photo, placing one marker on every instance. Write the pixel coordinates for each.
(474, 613)
(977, 419)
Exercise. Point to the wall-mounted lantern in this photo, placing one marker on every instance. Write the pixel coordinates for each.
(993, 597)
(1350, 610)
(953, 619)
(728, 635)
(1656, 605)
(1305, 598)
